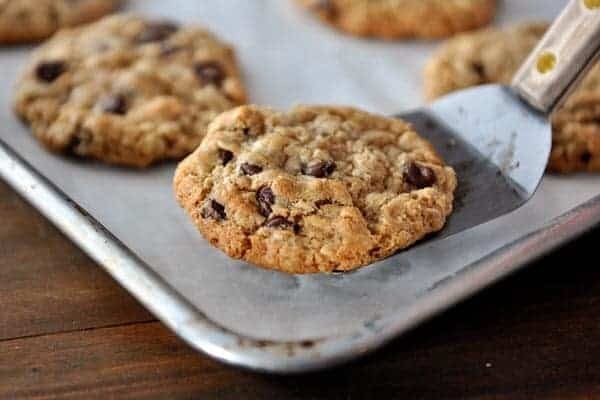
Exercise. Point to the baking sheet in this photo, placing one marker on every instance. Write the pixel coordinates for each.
(287, 58)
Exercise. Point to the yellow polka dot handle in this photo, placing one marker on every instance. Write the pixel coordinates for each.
(570, 47)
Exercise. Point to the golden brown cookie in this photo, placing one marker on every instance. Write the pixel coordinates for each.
(493, 56)
(315, 189)
(127, 90)
(391, 19)
(32, 20)
(576, 138)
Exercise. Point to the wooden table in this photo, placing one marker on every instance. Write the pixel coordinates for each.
(68, 331)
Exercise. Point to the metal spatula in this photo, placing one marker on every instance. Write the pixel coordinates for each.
(498, 138)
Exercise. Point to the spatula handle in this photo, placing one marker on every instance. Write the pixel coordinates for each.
(563, 56)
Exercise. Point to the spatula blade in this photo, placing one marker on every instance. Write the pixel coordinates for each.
(498, 145)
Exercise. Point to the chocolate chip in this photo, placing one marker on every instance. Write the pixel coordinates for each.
(213, 210)
(265, 198)
(225, 156)
(50, 70)
(74, 143)
(250, 169)
(327, 7)
(210, 73)
(114, 104)
(167, 49)
(586, 157)
(419, 175)
(53, 15)
(157, 32)
(255, 129)
(319, 169)
(479, 69)
(22, 16)
(374, 251)
(323, 202)
(280, 222)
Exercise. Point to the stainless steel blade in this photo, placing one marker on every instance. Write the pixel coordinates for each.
(499, 138)
(498, 145)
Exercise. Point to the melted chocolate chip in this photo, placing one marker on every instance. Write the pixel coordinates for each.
(319, 169)
(419, 175)
(250, 169)
(157, 32)
(225, 156)
(210, 73)
(213, 210)
(265, 198)
(114, 104)
(50, 70)
(280, 222)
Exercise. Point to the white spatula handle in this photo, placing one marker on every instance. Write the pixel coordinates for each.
(563, 56)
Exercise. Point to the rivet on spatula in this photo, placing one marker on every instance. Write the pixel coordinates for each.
(546, 62)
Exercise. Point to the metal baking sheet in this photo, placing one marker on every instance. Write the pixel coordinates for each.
(129, 222)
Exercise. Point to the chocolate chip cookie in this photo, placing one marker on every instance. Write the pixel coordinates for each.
(576, 138)
(32, 20)
(127, 90)
(315, 189)
(494, 56)
(391, 19)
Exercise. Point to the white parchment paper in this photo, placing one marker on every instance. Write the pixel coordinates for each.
(287, 58)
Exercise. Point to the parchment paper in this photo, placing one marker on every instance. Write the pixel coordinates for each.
(287, 58)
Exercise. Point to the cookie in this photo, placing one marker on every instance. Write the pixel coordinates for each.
(33, 20)
(576, 137)
(126, 90)
(391, 19)
(494, 56)
(485, 56)
(315, 189)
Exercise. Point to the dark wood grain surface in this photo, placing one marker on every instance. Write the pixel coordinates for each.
(68, 331)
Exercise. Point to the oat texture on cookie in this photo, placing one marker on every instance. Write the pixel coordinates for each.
(32, 20)
(493, 56)
(127, 90)
(314, 189)
(391, 19)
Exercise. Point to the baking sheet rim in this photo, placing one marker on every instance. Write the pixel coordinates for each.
(206, 335)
